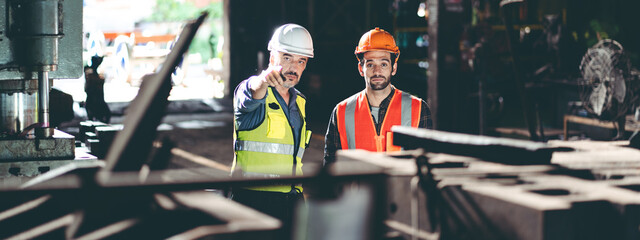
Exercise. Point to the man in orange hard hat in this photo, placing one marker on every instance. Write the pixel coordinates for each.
(376, 108)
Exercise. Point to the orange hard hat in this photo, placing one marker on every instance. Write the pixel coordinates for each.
(377, 39)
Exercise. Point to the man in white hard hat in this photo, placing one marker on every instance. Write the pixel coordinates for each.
(270, 129)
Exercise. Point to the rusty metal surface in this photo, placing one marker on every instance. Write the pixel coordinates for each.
(61, 146)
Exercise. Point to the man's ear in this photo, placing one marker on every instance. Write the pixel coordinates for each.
(360, 69)
(272, 59)
(395, 69)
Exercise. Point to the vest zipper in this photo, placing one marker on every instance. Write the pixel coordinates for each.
(295, 153)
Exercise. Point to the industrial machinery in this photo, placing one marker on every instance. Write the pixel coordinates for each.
(608, 89)
(40, 40)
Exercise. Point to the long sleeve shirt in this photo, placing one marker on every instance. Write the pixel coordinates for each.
(249, 112)
(332, 137)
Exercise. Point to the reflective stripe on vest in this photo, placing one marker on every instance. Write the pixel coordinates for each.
(265, 147)
(259, 175)
(404, 109)
(350, 121)
(405, 112)
(272, 187)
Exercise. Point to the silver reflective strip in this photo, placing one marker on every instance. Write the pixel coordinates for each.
(405, 112)
(266, 175)
(260, 175)
(264, 147)
(350, 121)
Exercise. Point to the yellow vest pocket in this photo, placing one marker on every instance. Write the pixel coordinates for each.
(277, 126)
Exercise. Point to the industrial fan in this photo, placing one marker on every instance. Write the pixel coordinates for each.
(607, 89)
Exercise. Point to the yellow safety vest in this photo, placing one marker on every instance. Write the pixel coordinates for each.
(268, 150)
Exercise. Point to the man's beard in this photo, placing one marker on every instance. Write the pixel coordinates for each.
(289, 83)
(379, 85)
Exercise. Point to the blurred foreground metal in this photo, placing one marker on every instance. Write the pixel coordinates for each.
(74, 203)
(440, 191)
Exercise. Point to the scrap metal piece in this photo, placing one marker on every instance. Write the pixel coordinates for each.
(493, 149)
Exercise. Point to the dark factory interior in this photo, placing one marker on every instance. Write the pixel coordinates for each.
(469, 41)
(169, 119)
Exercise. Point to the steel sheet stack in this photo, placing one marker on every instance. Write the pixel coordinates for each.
(457, 186)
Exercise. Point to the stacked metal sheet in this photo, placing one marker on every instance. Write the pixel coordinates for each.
(472, 187)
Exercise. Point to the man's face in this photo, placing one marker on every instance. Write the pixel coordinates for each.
(292, 66)
(376, 69)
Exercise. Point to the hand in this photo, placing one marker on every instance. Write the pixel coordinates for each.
(269, 77)
(272, 76)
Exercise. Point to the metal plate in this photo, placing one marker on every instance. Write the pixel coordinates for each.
(61, 146)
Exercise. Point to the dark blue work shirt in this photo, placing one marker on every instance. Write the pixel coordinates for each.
(249, 112)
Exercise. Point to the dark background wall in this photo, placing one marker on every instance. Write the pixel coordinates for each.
(455, 33)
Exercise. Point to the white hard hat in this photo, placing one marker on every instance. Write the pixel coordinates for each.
(292, 38)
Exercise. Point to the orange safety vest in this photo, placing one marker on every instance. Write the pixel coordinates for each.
(357, 129)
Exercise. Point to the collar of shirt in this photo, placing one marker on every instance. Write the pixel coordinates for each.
(292, 99)
(385, 103)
